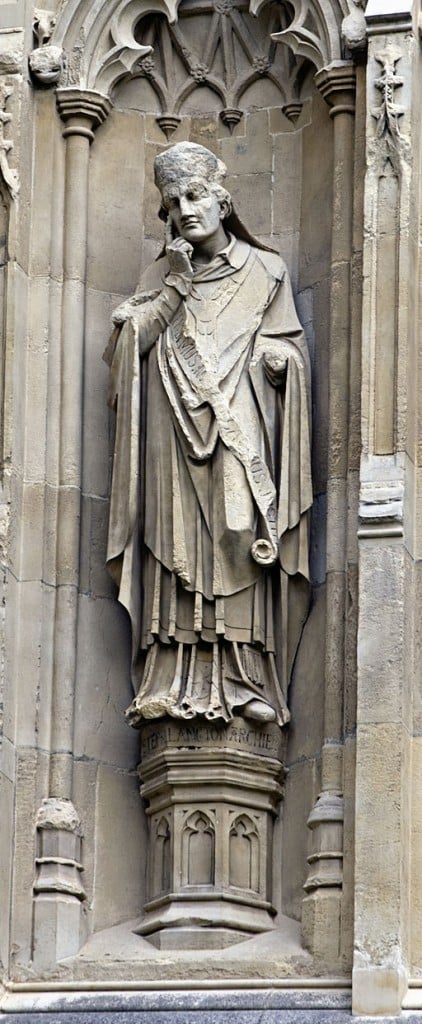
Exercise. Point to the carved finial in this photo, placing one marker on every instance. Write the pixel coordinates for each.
(230, 117)
(292, 111)
(168, 123)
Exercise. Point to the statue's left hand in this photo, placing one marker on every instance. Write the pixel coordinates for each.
(124, 311)
(275, 365)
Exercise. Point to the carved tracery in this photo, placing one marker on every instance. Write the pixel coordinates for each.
(199, 850)
(220, 46)
(102, 45)
(244, 854)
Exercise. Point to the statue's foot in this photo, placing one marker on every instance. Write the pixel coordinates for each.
(259, 711)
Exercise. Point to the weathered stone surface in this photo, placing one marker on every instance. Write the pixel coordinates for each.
(341, 204)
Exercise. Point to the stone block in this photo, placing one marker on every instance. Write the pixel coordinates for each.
(320, 380)
(416, 857)
(24, 635)
(337, 500)
(321, 918)
(153, 227)
(413, 509)
(103, 688)
(381, 631)
(35, 390)
(151, 249)
(279, 122)
(302, 785)
(306, 694)
(16, 344)
(316, 196)
(349, 800)
(96, 424)
(318, 550)
(84, 800)
(94, 578)
(58, 929)
(119, 885)
(414, 654)
(27, 547)
(115, 204)
(251, 194)
(304, 301)
(138, 94)
(204, 131)
(378, 990)
(251, 154)
(287, 183)
(28, 795)
(381, 844)
(6, 855)
(47, 210)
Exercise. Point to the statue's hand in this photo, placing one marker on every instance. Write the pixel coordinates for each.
(123, 312)
(178, 252)
(275, 366)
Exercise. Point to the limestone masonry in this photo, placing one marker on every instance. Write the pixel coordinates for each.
(210, 525)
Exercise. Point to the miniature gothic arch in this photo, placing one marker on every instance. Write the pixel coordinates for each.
(101, 44)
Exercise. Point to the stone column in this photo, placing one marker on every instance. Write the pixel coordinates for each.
(321, 920)
(388, 535)
(58, 887)
(82, 112)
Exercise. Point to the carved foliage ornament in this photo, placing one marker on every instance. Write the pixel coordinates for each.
(387, 114)
(7, 173)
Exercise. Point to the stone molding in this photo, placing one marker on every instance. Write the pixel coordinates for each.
(337, 85)
(383, 18)
(82, 110)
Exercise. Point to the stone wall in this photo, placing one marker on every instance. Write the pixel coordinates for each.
(323, 156)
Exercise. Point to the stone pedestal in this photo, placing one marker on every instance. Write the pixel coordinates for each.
(212, 793)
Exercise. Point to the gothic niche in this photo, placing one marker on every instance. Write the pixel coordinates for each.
(216, 57)
(199, 841)
(244, 854)
(160, 862)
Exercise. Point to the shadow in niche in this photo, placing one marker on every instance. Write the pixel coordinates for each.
(275, 950)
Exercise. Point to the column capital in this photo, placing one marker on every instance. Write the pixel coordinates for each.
(82, 110)
(337, 85)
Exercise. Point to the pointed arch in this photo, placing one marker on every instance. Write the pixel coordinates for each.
(101, 47)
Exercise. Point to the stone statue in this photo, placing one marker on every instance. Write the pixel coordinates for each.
(211, 490)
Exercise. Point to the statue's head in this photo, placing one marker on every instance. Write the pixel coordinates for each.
(189, 169)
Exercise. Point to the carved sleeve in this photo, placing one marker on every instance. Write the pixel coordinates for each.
(151, 312)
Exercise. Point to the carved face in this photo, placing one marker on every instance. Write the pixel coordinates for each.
(195, 210)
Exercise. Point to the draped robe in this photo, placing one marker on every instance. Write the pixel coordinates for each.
(210, 456)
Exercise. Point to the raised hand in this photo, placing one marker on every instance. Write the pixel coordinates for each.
(178, 252)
